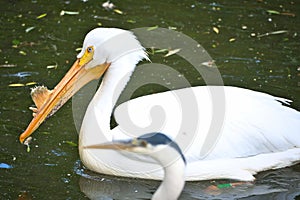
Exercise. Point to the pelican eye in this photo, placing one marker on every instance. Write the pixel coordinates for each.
(90, 49)
(87, 56)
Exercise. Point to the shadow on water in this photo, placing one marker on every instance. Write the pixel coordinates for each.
(38, 45)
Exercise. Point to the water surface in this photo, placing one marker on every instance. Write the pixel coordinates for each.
(246, 56)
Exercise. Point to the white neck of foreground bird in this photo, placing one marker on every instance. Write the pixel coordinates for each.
(162, 149)
(174, 177)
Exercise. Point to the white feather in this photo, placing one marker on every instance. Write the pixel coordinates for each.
(256, 131)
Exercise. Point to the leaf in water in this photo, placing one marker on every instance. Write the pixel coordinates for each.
(16, 85)
(29, 29)
(231, 39)
(22, 53)
(31, 83)
(172, 52)
(73, 144)
(278, 32)
(28, 148)
(216, 30)
(5, 166)
(118, 11)
(52, 66)
(7, 65)
(161, 50)
(16, 42)
(152, 28)
(272, 33)
(131, 21)
(273, 12)
(41, 16)
(65, 12)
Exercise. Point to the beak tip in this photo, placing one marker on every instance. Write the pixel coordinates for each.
(22, 138)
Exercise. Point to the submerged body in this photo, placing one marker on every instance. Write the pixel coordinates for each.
(256, 131)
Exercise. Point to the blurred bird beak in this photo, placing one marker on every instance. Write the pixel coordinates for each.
(111, 145)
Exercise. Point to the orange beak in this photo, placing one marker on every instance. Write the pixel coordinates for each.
(76, 78)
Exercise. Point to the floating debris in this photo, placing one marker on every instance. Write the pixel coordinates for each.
(16, 85)
(275, 12)
(5, 166)
(108, 5)
(232, 39)
(73, 144)
(16, 42)
(27, 142)
(25, 196)
(288, 14)
(172, 28)
(219, 188)
(155, 51)
(22, 53)
(34, 111)
(273, 33)
(41, 16)
(65, 12)
(152, 28)
(7, 65)
(118, 11)
(216, 30)
(52, 66)
(29, 29)
(172, 52)
(209, 63)
(160, 51)
(244, 27)
(131, 21)
(31, 83)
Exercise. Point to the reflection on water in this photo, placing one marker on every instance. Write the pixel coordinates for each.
(30, 43)
(279, 184)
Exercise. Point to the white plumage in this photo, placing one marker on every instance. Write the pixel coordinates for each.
(259, 131)
(163, 150)
(224, 132)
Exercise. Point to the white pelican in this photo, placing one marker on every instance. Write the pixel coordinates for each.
(259, 131)
(160, 147)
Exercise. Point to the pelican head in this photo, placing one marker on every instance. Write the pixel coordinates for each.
(106, 45)
(102, 48)
(161, 148)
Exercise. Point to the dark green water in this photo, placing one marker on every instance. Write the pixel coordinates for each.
(52, 170)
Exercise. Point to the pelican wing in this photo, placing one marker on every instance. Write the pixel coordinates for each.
(257, 131)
